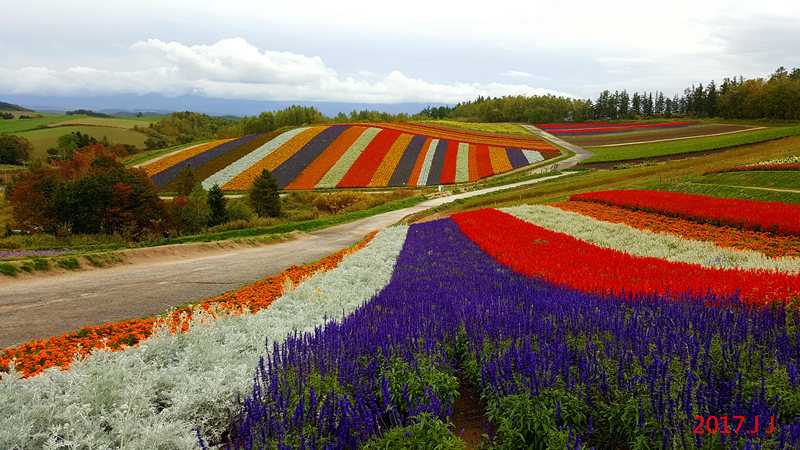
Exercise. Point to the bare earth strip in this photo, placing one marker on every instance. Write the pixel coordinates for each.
(36, 308)
(676, 139)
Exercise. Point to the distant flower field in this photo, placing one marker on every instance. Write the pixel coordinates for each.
(351, 156)
(586, 129)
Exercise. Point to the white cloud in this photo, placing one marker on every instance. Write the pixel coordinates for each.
(235, 69)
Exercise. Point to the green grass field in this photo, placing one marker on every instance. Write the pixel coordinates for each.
(45, 138)
(17, 125)
(117, 122)
(503, 128)
(608, 154)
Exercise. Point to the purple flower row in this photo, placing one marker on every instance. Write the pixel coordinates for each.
(22, 253)
(589, 370)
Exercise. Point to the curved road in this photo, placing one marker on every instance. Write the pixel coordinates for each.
(40, 308)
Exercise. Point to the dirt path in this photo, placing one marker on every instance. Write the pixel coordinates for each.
(580, 152)
(675, 139)
(42, 307)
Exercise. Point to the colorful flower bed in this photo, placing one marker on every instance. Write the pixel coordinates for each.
(558, 368)
(4, 254)
(38, 355)
(585, 129)
(168, 161)
(536, 251)
(638, 242)
(769, 244)
(759, 167)
(747, 214)
(577, 333)
(156, 394)
(345, 156)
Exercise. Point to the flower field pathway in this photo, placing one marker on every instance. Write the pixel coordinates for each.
(36, 308)
(580, 152)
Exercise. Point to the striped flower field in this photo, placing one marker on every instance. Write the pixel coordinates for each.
(588, 323)
(354, 156)
(586, 129)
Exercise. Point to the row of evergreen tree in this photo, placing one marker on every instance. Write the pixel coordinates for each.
(777, 97)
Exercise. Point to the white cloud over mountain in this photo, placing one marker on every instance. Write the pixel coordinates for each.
(235, 69)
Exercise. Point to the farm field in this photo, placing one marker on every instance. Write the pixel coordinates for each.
(698, 144)
(17, 125)
(116, 122)
(354, 156)
(570, 308)
(652, 134)
(42, 139)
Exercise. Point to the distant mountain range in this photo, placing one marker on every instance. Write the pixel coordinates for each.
(130, 105)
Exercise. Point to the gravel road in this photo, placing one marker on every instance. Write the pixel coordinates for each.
(42, 307)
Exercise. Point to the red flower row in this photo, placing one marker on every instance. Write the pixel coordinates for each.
(564, 260)
(773, 217)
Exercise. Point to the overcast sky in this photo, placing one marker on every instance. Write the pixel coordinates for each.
(387, 52)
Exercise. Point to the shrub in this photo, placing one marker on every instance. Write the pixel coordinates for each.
(70, 263)
(338, 201)
(236, 210)
(8, 269)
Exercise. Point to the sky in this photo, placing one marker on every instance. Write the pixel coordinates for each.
(372, 52)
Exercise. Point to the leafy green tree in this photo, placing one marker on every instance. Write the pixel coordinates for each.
(14, 149)
(216, 204)
(263, 195)
(191, 214)
(69, 143)
(185, 181)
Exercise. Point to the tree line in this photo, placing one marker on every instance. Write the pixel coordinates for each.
(777, 97)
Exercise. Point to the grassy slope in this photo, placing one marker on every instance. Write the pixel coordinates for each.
(503, 128)
(712, 190)
(116, 122)
(768, 179)
(48, 137)
(17, 125)
(689, 145)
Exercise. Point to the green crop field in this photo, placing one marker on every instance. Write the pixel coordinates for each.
(623, 153)
(17, 125)
(48, 137)
(116, 122)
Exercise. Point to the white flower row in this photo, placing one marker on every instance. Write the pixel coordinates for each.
(646, 243)
(462, 163)
(785, 160)
(340, 168)
(532, 156)
(155, 395)
(426, 164)
(246, 161)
